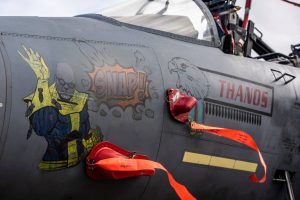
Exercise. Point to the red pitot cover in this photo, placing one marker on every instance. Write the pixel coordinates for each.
(108, 161)
(105, 150)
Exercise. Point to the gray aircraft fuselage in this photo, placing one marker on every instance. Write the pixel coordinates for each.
(113, 78)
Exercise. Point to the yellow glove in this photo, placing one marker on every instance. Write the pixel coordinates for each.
(41, 97)
(37, 64)
(95, 137)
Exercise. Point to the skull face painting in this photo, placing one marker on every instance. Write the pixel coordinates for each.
(65, 83)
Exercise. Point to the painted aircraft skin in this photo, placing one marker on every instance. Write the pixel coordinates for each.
(69, 83)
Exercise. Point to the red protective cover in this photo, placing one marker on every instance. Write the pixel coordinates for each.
(180, 104)
(108, 161)
(105, 150)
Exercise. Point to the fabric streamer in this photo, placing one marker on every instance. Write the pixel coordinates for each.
(108, 161)
(124, 164)
(238, 136)
(181, 105)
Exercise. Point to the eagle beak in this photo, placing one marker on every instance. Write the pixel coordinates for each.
(173, 67)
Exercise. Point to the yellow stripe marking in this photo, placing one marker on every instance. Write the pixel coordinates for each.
(196, 158)
(72, 153)
(75, 121)
(215, 161)
(245, 166)
(221, 162)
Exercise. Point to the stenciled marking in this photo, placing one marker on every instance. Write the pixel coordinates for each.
(215, 161)
(245, 94)
(240, 93)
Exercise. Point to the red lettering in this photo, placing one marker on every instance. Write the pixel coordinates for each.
(248, 95)
(244, 94)
(239, 93)
(230, 91)
(222, 87)
(264, 99)
(256, 97)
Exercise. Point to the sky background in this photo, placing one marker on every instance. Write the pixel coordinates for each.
(279, 21)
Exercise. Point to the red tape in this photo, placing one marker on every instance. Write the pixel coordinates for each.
(125, 164)
(238, 136)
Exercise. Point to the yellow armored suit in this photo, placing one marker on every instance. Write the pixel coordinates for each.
(59, 113)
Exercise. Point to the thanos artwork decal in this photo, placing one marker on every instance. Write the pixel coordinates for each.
(59, 113)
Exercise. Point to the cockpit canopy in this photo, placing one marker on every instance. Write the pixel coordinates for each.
(181, 17)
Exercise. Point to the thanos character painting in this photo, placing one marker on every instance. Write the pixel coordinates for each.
(59, 113)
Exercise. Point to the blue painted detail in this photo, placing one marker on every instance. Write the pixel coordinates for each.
(197, 114)
(56, 129)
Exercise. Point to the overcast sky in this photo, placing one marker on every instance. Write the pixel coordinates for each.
(279, 21)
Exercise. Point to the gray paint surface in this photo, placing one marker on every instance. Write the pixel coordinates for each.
(74, 40)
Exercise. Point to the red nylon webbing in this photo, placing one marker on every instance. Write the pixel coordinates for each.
(125, 164)
(238, 136)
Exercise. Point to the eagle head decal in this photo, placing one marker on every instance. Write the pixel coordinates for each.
(191, 79)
